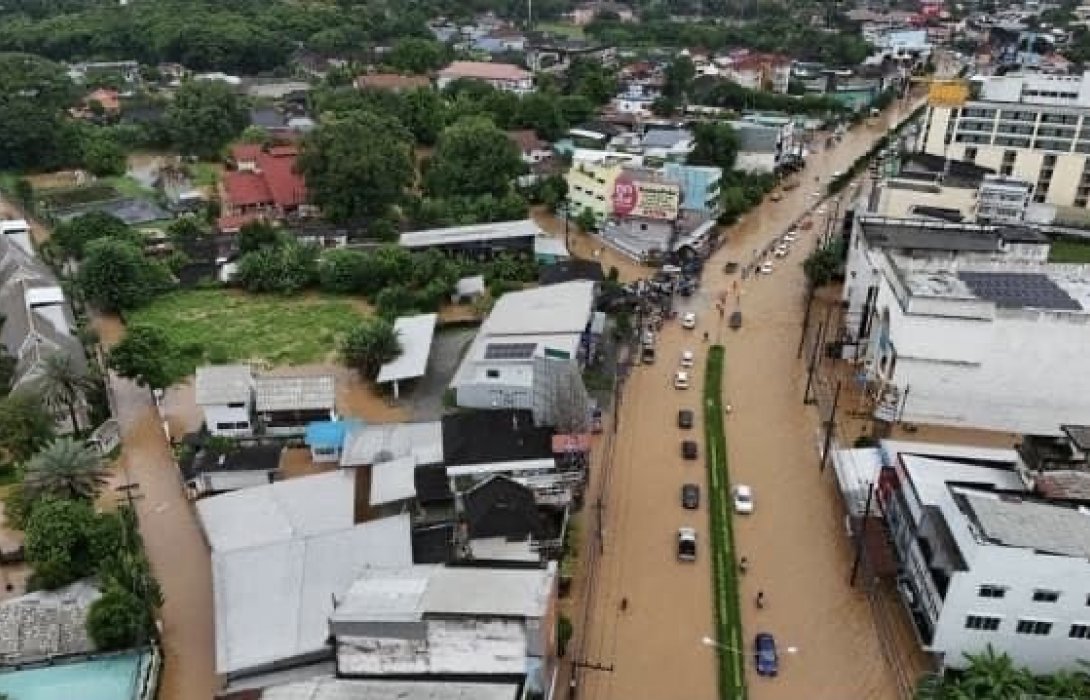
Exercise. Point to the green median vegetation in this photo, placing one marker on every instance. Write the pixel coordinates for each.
(728, 622)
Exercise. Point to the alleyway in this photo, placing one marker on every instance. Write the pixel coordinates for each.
(795, 541)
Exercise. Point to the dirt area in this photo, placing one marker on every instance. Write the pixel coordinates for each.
(797, 532)
(61, 179)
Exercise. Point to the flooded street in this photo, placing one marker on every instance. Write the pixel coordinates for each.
(795, 541)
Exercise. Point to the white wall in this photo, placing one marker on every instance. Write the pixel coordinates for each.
(1021, 571)
(1021, 372)
(213, 415)
(755, 162)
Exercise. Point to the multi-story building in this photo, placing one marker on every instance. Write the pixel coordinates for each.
(1032, 127)
(1003, 199)
(967, 325)
(985, 561)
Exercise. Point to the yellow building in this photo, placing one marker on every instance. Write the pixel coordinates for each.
(590, 186)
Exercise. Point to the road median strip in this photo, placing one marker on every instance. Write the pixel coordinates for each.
(728, 622)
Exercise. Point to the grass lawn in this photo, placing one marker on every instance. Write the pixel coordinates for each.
(728, 618)
(1069, 251)
(207, 174)
(571, 31)
(128, 186)
(213, 325)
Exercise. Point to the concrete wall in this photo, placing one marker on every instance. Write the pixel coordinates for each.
(214, 415)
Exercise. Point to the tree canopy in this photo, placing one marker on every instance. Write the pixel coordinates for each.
(204, 116)
(358, 166)
(145, 355)
(72, 236)
(472, 158)
(714, 143)
(65, 468)
(369, 345)
(115, 275)
(66, 540)
(33, 94)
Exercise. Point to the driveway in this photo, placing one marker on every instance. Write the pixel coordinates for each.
(795, 541)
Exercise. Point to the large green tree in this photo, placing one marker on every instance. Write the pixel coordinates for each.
(714, 143)
(358, 166)
(26, 425)
(472, 158)
(33, 94)
(72, 236)
(103, 155)
(679, 76)
(369, 345)
(117, 620)
(416, 55)
(65, 468)
(204, 116)
(63, 384)
(116, 276)
(283, 269)
(66, 540)
(146, 355)
(425, 115)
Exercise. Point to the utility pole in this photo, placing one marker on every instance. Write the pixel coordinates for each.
(861, 537)
(830, 426)
(811, 291)
(806, 400)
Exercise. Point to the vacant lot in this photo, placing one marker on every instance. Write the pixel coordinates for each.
(223, 326)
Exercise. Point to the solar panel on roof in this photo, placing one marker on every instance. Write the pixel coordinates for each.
(1019, 290)
(509, 351)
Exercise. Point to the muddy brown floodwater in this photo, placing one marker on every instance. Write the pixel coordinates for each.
(795, 541)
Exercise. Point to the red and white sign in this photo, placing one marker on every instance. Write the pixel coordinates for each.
(625, 196)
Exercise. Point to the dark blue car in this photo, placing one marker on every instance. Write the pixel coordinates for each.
(764, 654)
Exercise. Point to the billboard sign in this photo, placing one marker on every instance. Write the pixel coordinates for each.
(649, 200)
(948, 93)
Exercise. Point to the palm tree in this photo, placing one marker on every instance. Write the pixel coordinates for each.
(65, 468)
(62, 384)
(1064, 684)
(992, 675)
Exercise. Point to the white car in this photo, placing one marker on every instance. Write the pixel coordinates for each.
(765, 268)
(688, 320)
(789, 237)
(687, 358)
(781, 251)
(743, 499)
(821, 211)
(837, 173)
(681, 380)
(686, 544)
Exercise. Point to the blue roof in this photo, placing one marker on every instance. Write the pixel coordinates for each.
(328, 433)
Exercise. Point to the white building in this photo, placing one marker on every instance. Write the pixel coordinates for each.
(18, 232)
(235, 403)
(1033, 127)
(466, 622)
(1003, 199)
(498, 369)
(280, 555)
(225, 393)
(984, 561)
(968, 326)
(502, 76)
(762, 148)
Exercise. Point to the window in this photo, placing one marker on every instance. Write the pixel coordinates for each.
(982, 622)
(970, 154)
(1038, 628)
(237, 404)
(492, 373)
(991, 591)
(1079, 632)
(1045, 596)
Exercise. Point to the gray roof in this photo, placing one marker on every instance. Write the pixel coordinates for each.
(327, 688)
(218, 385)
(454, 235)
(1019, 290)
(383, 442)
(920, 234)
(415, 333)
(46, 623)
(301, 393)
(754, 138)
(1009, 520)
(665, 138)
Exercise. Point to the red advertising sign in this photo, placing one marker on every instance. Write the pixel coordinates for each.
(625, 196)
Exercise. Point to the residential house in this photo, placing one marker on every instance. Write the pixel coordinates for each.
(107, 98)
(238, 404)
(328, 687)
(533, 149)
(282, 555)
(761, 149)
(415, 334)
(263, 184)
(498, 370)
(36, 319)
(477, 240)
(212, 470)
(504, 523)
(760, 71)
(224, 394)
(502, 76)
(587, 12)
(986, 562)
(392, 82)
(667, 144)
(17, 231)
(465, 623)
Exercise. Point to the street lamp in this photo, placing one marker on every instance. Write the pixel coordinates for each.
(709, 642)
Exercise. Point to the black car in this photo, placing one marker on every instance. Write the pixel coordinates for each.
(689, 449)
(685, 419)
(690, 496)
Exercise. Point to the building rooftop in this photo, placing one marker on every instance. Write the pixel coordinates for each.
(382, 442)
(919, 234)
(302, 393)
(1012, 521)
(391, 81)
(219, 385)
(415, 334)
(328, 688)
(666, 138)
(556, 309)
(393, 481)
(238, 458)
(484, 71)
(488, 437)
(570, 271)
(756, 138)
(1063, 288)
(44, 624)
(455, 235)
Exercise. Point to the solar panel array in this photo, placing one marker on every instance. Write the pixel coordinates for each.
(1019, 290)
(509, 351)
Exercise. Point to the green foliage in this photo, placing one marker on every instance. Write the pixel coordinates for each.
(434, 212)
(717, 92)
(103, 155)
(564, 631)
(65, 468)
(663, 106)
(33, 93)
(147, 356)
(26, 425)
(62, 385)
(369, 345)
(541, 112)
(185, 230)
(117, 620)
(740, 192)
(473, 158)
(822, 265)
(204, 116)
(343, 271)
(282, 269)
(62, 538)
(256, 235)
(72, 236)
(993, 675)
(359, 166)
(590, 79)
(586, 220)
(715, 143)
(679, 76)
(424, 114)
(17, 507)
(416, 55)
(116, 276)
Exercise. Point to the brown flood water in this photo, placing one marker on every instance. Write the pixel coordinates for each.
(795, 541)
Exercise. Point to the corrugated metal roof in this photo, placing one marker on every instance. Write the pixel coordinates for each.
(219, 385)
(301, 393)
(415, 333)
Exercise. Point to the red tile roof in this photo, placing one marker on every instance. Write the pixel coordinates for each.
(526, 140)
(274, 181)
(246, 189)
(245, 152)
(287, 186)
(106, 97)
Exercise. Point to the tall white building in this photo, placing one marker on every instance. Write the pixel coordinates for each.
(967, 326)
(983, 560)
(1033, 127)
